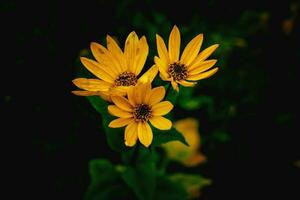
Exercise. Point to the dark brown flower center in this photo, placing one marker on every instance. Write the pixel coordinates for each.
(126, 79)
(142, 112)
(178, 71)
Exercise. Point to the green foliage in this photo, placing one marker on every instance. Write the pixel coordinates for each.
(160, 137)
(169, 190)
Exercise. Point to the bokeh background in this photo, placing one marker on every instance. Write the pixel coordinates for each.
(247, 112)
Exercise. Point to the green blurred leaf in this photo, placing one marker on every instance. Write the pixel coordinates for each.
(106, 182)
(169, 190)
(114, 136)
(160, 137)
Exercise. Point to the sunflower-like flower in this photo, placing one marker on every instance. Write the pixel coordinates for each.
(142, 105)
(116, 70)
(192, 65)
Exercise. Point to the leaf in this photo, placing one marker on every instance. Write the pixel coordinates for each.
(105, 181)
(114, 136)
(171, 94)
(160, 137)
(141, 177)
(169, 190)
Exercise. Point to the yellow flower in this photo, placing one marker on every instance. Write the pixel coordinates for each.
(115, 70)
(142, 105)
(187, 155)
(191, 66)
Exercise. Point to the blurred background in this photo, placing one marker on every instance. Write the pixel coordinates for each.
(247, 112)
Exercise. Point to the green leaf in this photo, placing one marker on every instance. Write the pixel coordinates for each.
(171, 94)
(141, 180)
(114, 136)
(160, 137)
(105, 181)
(169, 190)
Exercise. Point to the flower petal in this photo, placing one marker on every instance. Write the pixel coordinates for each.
(162, 108)
(122, 103)
(115, 50)
(118, 112)
(204, 75)
(131, 134)
(191, 50)
(130, 95)
(187, 84)
(203, 55)
(120, 122)
(91, 84)
(85, 93)
(130, 51)
(145, 133)
(156, 95)
(149, 75)
(141, 57)
(174, 85)
(104, 56)
(162, 49)
(161, 123)
(203, 66)
(174, 44)
(95, 69)
(162, 66)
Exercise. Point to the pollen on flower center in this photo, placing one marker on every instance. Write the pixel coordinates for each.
(126, 79)
(178, 71)
(142, 112)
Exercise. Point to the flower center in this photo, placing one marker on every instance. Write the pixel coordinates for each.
(142, 112)
(126, 79)
(178, 71)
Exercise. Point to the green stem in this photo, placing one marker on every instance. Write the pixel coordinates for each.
(168, 90)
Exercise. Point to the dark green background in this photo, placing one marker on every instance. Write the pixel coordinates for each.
(248, 121)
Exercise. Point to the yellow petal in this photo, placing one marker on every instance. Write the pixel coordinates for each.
(118, 90)
(130, 95)
(85, 93)
(141, 57)
(164, 77)
(191, 50)
(204, 54)
(157, 94)
(161, 123)
(139, 93)
(131, 134)
(162, 49)
(162, 108)
(162, 66)
(145, 134)
(204, 75)
(102, 55)
(174, 85)
(201, 67)
(149, 75)
(130, 51)
(95, 69)
(174, 44)
(122, 103)
(118, 112)
(115, 50)
(91, 84)
(120, 122)
(187, 84)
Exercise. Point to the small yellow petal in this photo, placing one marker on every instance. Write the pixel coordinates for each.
(145, 133)
(141, 57)
(130, 95)
(85, 93)
(191, 50)
(91, 84)
(120, 122)
(118, 112)
(130, 51)
(162, 66)
(115, 50)
(174, 44)
(122, 103)
(95, 69)
(161, 123)
(149, 75)
(162, 49)
(187, 84)
(131, 134)
(162, 108)
(203, 55)
(205, 65)
(174, 85)
(204, 75)
(157, 94)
